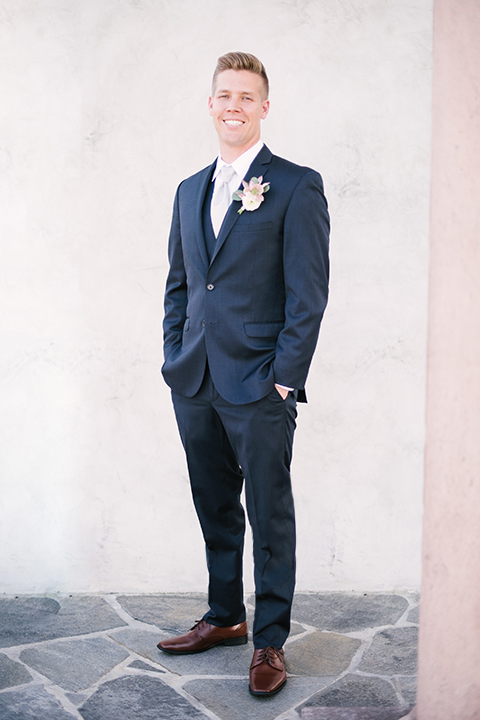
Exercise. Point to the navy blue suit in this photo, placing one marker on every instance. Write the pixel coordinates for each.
(235, 324)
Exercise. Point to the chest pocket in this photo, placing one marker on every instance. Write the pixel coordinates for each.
(253, 227)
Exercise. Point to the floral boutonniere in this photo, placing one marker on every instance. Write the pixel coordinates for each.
(251, 196)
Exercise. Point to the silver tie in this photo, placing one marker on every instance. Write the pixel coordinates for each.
(222, 197)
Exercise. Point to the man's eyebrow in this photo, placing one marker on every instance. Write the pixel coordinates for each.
(242, 92)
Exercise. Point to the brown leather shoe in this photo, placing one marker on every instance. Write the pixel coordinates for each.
(203, 636)
(267, 671)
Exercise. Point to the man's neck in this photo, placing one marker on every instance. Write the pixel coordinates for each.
(243, 161)
(229, 158)
(229, 154)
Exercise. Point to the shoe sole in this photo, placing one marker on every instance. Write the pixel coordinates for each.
(229, 642)
(258, 693)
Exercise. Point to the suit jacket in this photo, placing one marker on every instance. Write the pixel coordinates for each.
(255, 309)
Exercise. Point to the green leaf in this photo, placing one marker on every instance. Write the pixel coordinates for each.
(236, 196)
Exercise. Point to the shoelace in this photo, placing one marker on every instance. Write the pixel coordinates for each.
(269, 655)
(197, 624)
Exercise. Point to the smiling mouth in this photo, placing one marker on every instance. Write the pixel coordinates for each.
(233, 123)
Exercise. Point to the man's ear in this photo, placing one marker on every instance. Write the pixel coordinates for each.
(265, 109)
(210, 106)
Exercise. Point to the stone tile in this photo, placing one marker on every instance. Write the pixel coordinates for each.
(76, 698)
(217, 661)
(341, 612)
(142, 642)
(138, 698)
(392, 652)
(31, 703)
(231, 700)
(414, 615)
(296, 629)
(171, 613)
(139, 665)
(371, 713)
(355, 691)
(74, 664)
(320, 654)
(12, 673)
(407, 687)
(26, 620)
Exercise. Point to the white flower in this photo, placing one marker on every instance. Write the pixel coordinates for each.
(251, 201)
(252, 194)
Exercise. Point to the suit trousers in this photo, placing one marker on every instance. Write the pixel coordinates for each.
(226, 444)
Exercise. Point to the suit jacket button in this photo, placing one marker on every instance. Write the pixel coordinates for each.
(210, 286)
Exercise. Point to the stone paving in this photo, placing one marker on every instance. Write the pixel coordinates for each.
(95, 658)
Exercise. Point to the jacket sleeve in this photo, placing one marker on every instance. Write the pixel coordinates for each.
(176, 288)
(306, 274)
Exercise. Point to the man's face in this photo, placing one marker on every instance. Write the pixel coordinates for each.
(237, 106)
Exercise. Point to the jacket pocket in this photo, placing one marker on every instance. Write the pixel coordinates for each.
(253, 226)
(263, 329)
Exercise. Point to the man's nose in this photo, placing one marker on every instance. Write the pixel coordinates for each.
(234, 105)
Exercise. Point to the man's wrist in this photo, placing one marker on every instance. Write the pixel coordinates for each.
(283, 390)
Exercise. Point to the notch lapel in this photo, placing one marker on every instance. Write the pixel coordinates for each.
(202, 190)
(258, 167)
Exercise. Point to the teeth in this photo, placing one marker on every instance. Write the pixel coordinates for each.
(233, 122)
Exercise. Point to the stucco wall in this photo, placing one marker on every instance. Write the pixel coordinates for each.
(103, 112)
(449, 643)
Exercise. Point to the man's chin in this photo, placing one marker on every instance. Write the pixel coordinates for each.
(233, 139)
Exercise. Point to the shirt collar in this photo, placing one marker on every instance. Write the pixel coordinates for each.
(242, 163)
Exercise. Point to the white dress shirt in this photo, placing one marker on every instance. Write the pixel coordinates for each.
(240, 165)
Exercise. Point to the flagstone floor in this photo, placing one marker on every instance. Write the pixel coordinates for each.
(95, 658)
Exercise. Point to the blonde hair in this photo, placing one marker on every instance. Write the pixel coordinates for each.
(241, 61)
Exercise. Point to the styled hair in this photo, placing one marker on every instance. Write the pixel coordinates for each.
(241, 61)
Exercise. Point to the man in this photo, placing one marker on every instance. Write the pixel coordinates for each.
(245, 296)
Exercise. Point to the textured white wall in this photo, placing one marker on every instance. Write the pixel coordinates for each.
(103, 112)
